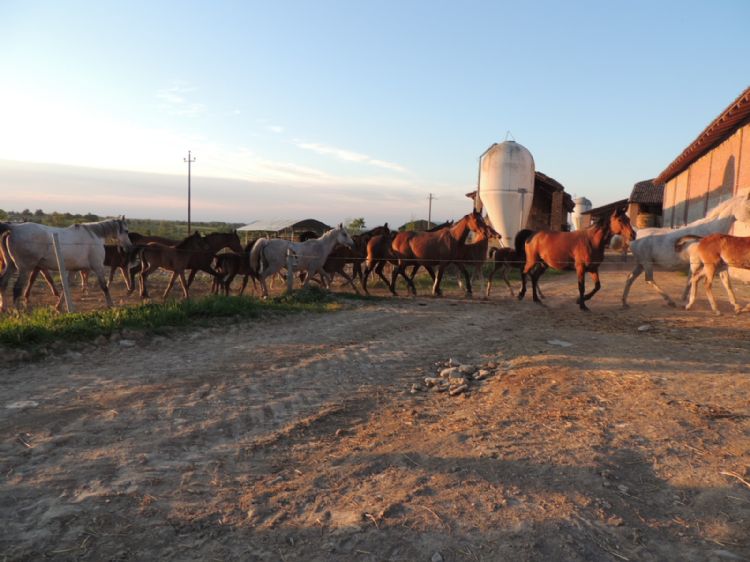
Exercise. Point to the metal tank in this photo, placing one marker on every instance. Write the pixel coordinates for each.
(506, 187)
(581, 206)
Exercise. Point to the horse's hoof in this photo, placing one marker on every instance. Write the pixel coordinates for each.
(672, 304)
(625, 306)
(585, 309)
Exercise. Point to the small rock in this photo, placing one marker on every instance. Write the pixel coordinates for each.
(645, 327)
(481, 374)
(458, 389)
(432, 381)
(127, 343)
(457, 381)
(436, 557)
(449, 372)
(415, 388)
(615, 521)
(100, 340)
(623, 488)
(467, 369)
(559, 343)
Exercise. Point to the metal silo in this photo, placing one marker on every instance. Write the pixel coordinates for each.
(506, 187)
(581, 206)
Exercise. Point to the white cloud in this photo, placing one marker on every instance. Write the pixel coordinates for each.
(348, 155)
(177, 103)
(275, 129)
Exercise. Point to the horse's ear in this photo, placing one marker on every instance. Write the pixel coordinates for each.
(341, 225)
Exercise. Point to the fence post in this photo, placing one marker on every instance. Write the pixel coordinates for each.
(63, 272)
(289, 270)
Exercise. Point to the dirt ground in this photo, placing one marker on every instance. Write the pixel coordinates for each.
(613, 435)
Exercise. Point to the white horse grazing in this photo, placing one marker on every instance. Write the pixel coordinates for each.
(656, 246)
(268, 256)
(25, 246)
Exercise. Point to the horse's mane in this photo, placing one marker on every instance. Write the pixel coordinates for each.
(103, 229)
(730, 207)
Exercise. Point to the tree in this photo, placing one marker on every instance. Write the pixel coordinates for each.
(38, 213)
(355, 226)
(3, 215)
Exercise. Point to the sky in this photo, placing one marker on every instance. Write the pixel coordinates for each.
(337, 110)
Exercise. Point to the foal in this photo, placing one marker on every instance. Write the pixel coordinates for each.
(716, 252)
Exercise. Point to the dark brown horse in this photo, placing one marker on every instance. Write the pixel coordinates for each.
(216, 241)
(231, 264)
(192, 253)
(342, 256)
(582, 250)
(437, 249)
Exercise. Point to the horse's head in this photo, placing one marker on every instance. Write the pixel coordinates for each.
(343, 238)
(479, 226)
(619, 223)
(123, 238)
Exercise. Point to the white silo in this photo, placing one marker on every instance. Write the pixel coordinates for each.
(581, 206)
(506, 187)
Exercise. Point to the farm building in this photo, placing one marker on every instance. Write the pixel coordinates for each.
(290, 229)
(713, 168)
(549, 207)
(592, 215)
(645, 204)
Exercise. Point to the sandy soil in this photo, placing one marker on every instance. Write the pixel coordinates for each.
(297, 438)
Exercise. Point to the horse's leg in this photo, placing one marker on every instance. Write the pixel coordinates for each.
(438, 278)
(495, 267)
(172, 279)
(727, 282)
(597, 285)
(649, 269)
(710, 271)
(581, 274)
(467, 278)
(32, 278)
(350, 280)
(84, 281)
(506, 269)
(637, 270)
(535, 273)
(263, 286)
(192, 276)
(184, 284)
(23, 277)
(100, 277)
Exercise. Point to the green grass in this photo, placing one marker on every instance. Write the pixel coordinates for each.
(43, 326)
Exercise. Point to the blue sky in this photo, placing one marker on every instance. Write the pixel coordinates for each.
(337, 110)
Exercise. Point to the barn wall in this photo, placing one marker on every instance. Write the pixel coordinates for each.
(714, 177)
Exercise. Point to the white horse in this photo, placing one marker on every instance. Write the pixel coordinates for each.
(656, 246)
(268, 256)
(26, 246)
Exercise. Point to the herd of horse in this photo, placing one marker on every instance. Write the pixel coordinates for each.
(28, 249)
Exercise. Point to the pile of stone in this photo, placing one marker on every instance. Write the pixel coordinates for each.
(455, 378)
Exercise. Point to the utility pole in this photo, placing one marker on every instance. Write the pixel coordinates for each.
(189, 161)
(429, 211)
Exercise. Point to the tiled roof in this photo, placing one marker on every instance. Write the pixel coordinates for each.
(734, 116)
(647, 193)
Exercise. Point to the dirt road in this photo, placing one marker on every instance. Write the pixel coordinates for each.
(614, 435)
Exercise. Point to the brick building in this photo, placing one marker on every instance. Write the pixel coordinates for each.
(713, 168)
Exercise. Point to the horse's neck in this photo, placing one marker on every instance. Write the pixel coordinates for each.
(328, 240)
(459, 231)
(599, 236)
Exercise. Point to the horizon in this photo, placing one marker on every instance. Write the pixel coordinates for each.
(332, 111)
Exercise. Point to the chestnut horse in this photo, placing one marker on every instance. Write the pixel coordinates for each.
(582, 250)
(716, 252)
(437, 249)
(216, 241)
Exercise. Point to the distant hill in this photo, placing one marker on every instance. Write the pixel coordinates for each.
(155, 227)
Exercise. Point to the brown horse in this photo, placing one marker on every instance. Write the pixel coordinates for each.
(503, 259)
(582, 250)
(379, 254)
(437, 249)
(342, 256)
(191, 253)
(216, 241)
(715, 252)
(231, 264)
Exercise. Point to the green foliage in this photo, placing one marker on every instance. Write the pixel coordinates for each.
(46, 326)
(355, 226)
(168, 229)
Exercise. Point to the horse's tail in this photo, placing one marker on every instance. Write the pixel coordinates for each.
(683, 241)
(257, 260)
(5, 257)
(522, 237)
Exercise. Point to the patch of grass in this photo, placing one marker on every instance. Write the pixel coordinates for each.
(46, 326)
